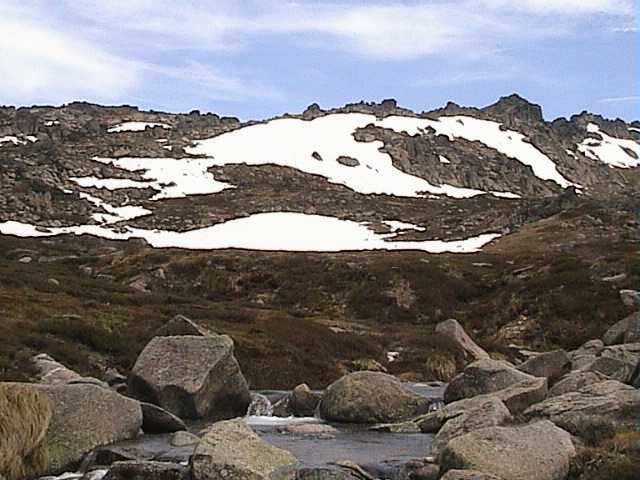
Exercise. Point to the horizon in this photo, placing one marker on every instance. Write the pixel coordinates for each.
(261, 59)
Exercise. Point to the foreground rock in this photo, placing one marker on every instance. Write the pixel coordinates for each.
(134, 470)
(230, 449)
(25, 414)
(191, 377)
(484, 376)
(538, 451)
(610, 399)
(468, 475)
(452, 330)
(371, 397)
(85, 417)
(551, 365)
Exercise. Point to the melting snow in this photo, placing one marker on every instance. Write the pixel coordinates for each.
(610, 150)
(10, 139)
(278, 231)
(135, 127)
(116, 214)
(395, 225)
(51, 123)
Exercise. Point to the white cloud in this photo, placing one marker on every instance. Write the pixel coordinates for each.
(566, 7)
(632, 98)
(40, 62)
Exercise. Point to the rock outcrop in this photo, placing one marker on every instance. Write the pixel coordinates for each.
(370, 397)
(191, 377)
(538, 451)
(230, 449)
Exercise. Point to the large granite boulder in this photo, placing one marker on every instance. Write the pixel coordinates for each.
(574, 381)
(25, 414)
(486, 411)
(612, 368)
(551, 365)
(230, 449)
(626, 330)
(484, 376)
(85, 417)
(371, 397)
(517, 398)
(191, 377)
(158, 420)
(452, 330)
(610, 399)
(537, 451)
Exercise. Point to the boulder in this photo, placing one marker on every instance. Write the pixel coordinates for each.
(468, 475)
(301, 402)
(326, 473)
(147, 470)
(635, 378)
(180, 326)
(517, 398)
(25, 415)
(630, 298)
(487, 412)
(85, 417)
(158, 420)
(611, 367)
(586, 354)
(538, 451)
(574, 381)
(452, 330)
(609, 399)
(371, 397)
(626, 330)
(483, 376)
(183, 439)
(551, 365)
(51, 372)
(230, 449)
(191, 377)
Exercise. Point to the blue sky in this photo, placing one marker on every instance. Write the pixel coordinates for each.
(261, 58)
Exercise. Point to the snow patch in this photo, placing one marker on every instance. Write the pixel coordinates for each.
(443, 159)
(277, 231)
(136, 127)
(610, 150)
(51, 123)
(395, 225)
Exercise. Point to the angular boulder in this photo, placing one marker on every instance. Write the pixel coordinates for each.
(612, 368)
(25, 414)
(488, 411)
(230, 449)
(51, 372)
(610, 399)
(85, 417)
(538, 451)
(371, 397)
(517, 398)
(158, 420)
(574, 381)
(551, 365)
(586, 354)
(191, 377)
(626, 330)
(301, 402)
(452, 330)
(630, 298)
(482, 377)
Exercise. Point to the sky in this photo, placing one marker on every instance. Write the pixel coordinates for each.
(260, 58)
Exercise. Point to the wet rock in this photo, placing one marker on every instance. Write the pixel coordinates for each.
(370, 397)
(25, 415)
(181, 325)
(610, 399)
(86, 417)
(135, 470)
(483, 376)
(452, 330)
(626, 330)
(468, 475)
(301, 402)
(538, 451)
(551, 365)
(311, 429)
(574, 381)
(401, 427)
(158, 420)
(261, 406)
(191, 377)
(230, 449)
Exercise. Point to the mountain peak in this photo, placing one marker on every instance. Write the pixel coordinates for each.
(514, 111)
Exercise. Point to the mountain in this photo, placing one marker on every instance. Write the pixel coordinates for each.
(113, 219)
